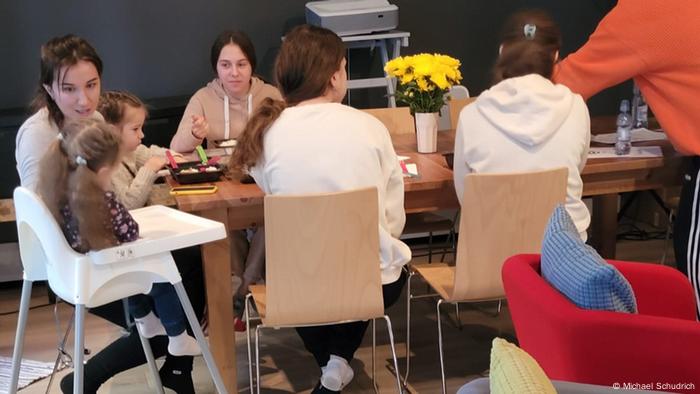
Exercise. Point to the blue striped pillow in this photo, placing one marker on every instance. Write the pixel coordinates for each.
(578, 271)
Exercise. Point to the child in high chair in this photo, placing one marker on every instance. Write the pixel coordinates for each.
(133, 179)
(75, 177)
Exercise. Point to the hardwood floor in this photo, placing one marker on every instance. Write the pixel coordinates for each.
(286, 367)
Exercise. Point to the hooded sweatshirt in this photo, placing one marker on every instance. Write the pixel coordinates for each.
(526, 124)
(210, 102)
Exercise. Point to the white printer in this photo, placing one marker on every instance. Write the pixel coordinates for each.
(351, 17)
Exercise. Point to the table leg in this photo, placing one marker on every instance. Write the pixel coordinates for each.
(217, 277)
(604, 237)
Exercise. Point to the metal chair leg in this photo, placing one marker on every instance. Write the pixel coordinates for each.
(257, 359)
(393, 354)
(127, 318)
(430, 247)
(457, 316)
(151, 361)
(442, 361)
(408, 326)
(667, 237)
(247, 334)
(199, 335)
(62, 357)
(78, 349)
(374, 356)
(19, 335)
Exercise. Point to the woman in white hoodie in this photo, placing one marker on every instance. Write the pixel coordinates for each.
(525, 122)
(220, 110)
(311, 143)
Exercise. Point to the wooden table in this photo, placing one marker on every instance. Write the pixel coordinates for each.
(603, 179)
(240, 206)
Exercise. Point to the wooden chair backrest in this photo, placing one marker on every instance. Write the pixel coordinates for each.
(322, 258)
(397, 120)
(456, 106)
(503, 215)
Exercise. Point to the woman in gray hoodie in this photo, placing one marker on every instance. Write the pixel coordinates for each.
(525, 122)
(220, 110)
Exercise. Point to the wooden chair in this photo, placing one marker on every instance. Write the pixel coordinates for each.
(397, 120)
(456, 106)
(457, 92)
(322, 265)
(505, 214)
(400, 121)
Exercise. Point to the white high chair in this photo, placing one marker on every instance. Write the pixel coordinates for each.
(96, 278)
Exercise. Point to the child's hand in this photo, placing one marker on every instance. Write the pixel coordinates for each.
(200, 127)
(155, 163)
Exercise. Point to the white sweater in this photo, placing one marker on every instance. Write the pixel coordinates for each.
(526, 124)
(331, 147)
(33, 140)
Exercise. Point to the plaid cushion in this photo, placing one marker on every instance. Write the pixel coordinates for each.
(578, 271)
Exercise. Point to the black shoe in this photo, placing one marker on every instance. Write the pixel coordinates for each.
(177, 380)
(319, 389)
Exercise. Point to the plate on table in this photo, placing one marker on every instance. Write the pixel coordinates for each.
(196, 172)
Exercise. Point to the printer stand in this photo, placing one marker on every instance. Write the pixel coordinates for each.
(383, 40)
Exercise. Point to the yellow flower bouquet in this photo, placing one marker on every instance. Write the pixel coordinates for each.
(423, 80)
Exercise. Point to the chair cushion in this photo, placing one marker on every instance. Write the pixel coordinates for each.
(578, 271)
(515, 371)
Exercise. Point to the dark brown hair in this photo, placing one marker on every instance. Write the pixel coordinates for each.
(530, 39)
(112, 105)
(64, 179)
(306, 62)
(57, 53)
(233, 37)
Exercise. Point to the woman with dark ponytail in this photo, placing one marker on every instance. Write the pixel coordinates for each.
(525, 122)
(311, 143)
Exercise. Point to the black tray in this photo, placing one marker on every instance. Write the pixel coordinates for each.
(196, 177)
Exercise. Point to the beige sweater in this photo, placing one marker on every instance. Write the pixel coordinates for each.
(209, 102)
(131, 181)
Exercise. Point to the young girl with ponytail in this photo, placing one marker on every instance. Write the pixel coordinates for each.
(525, 122)
(74, 181)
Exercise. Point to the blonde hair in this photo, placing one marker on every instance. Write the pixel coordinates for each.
(112, 105)
(68, 176)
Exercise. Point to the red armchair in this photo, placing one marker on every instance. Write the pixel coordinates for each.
(661, 344)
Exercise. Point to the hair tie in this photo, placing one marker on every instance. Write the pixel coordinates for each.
(529, 30)
(79, 160)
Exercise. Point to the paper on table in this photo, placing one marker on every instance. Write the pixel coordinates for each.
(402, 158)
(636, 151)
(412, 169)
(638, 135)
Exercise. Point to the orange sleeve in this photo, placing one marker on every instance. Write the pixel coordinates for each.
(605, 60)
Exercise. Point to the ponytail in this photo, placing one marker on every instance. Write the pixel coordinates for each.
(52, 186)
(87, 202)
(250, 144)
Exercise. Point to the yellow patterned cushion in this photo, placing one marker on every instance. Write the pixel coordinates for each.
(515, 371)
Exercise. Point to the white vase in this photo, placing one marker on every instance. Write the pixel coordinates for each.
(426, 131)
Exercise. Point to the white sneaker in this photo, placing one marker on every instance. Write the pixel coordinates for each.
(336, 374)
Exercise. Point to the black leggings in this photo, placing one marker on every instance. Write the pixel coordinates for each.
(344, 339)
(126, 352)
